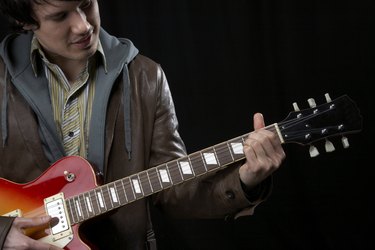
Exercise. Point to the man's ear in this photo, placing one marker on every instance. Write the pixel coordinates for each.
(28, 27)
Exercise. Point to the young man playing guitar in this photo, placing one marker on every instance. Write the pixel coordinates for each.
(70, 88)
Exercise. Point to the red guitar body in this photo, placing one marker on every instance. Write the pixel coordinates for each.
(29, 197)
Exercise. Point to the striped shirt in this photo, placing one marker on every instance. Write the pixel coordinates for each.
(63, 94)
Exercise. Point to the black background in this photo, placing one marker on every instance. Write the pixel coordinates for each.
(225, 60)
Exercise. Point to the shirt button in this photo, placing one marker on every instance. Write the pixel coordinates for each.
(229, 194)
(71, 134)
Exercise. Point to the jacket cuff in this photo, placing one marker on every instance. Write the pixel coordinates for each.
(5, 225)
(237, 200)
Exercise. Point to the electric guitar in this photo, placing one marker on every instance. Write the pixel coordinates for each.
(69, 190)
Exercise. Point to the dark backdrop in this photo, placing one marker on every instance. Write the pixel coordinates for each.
(226, 60)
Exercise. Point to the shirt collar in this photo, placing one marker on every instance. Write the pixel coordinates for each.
(36, 54)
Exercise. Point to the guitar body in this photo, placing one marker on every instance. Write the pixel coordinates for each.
(29, 197)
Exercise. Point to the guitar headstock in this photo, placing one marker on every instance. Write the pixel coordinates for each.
(336, 117)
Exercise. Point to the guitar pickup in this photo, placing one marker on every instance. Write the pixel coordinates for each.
(56, 208)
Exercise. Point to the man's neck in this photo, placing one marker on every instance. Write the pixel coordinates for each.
(72, 69)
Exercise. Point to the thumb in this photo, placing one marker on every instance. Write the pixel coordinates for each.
(258, 121)
(32, 222)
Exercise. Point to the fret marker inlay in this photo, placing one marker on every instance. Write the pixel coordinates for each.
(113, 194)
(185, 167)
(89, 204)
(210, 158)
(237, 148)
(79, 209)
(137, 188)
(164, 175)
(100, 198)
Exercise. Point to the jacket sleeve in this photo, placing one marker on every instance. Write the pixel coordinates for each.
(5, 225)
(213, 195)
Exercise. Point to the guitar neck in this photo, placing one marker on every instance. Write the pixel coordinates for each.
(140, 185)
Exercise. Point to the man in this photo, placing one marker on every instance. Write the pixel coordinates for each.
(70, 88)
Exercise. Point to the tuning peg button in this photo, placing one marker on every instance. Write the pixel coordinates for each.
(345, 142)
(329, 146)
(295, 106)
(328, 98)
(311, 102)
(313, 151)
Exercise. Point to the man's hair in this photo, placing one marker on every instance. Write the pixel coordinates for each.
(20, 12)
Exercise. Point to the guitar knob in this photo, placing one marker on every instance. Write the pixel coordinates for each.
(313, 151)
(328, 98)
(345, 142)
(329, 146)
(311, 102)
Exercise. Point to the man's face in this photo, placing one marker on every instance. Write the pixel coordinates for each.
(68, 30)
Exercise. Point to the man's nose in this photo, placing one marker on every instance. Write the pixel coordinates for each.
(79, 22)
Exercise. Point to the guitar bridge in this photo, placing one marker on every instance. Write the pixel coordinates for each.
(14, 213)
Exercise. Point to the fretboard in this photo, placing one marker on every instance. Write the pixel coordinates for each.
(137, 186)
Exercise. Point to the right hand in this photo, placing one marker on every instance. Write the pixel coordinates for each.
(17, 240)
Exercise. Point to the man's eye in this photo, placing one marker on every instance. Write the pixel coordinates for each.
(59, 17)
(86, 4)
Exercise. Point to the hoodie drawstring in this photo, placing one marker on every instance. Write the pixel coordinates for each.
(127, 115)
(4, 109)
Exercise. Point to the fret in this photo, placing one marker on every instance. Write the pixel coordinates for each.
(164, 176)
(186, 169)
(100, 197)
(70, 211)
(112, 193)
(224, 154)
(121, 192)
(128, 189)
(78, 208)
(197, 164)
(83, 204)
(210, 159)
(88, 202)
(107, 200)
(236, 146)
(174, 172)
(136, 186)
(94, 202)
(73, 215)
(154, 180)
(145, 183)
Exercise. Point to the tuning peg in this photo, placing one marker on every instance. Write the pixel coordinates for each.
(311, 102)
(328, 98)
(329, 146)
(345, 142)
(313, 151)
(295, 106)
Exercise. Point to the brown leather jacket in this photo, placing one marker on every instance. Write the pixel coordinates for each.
(155, 140)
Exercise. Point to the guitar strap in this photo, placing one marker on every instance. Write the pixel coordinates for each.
(151, 240)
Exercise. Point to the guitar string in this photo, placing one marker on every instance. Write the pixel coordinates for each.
(155, 178)
(193, 158)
